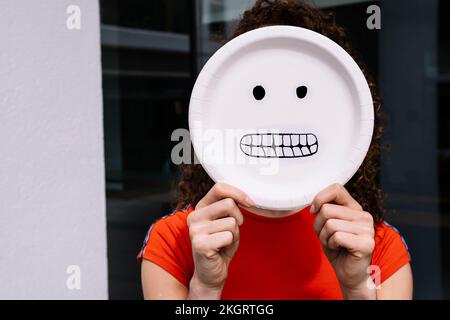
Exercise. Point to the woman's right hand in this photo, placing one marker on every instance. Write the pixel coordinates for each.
(214, 232)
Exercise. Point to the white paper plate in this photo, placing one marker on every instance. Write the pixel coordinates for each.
(236, 136)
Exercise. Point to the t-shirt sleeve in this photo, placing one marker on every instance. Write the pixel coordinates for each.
(390, 253)
(167, 244)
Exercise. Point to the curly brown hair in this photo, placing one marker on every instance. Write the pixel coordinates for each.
(194, 182)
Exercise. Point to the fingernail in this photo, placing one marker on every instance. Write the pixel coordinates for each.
(249, 202)
(312, 209)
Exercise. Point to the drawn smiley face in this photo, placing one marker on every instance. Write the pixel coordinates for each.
(279, 145)
(293, 111)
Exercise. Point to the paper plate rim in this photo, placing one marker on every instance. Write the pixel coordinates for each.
(297, 33)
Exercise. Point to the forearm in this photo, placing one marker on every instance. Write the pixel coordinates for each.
(200, 291)
(365, 291)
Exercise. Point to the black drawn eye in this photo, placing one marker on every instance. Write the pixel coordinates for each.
(259, 92)
(302, 91)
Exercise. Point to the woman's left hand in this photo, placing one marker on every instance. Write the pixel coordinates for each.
(346, 233)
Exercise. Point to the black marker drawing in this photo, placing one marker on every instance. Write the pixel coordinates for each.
(279, 145)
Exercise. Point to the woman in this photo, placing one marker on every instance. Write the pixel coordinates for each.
(216, 244)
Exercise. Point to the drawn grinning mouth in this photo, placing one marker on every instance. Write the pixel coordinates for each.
(279, 145)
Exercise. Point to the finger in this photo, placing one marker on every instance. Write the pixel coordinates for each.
(224, 224)
(333, 211)
(334, 225)
(219, 225)
(220, 209)
(355, 244)
(220, 240)
(221, 191)
(337, 194)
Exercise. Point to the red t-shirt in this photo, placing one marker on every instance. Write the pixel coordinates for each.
(277, 258)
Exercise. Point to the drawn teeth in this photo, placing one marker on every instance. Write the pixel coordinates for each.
(256, 139)
(295, 139)
(303, 139)
(278, 140)
(287, 140)
(261, 152)
(266, 140)
(311, 139)
(279, 151)
(269, 152)
(246, 149)
(288, 152)
(279, 145)
(246, 140)
(305, 151)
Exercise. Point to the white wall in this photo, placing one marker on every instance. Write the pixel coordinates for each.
(52, 202)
